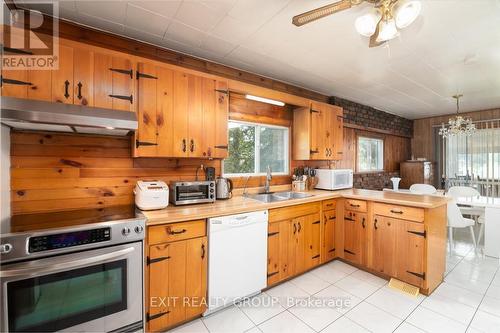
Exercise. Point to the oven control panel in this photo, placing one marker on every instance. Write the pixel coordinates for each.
(68, 239)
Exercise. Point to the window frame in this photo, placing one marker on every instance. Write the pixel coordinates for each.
(373, 137)
(257, 151)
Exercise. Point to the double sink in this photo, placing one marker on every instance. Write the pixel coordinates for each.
(278, 196)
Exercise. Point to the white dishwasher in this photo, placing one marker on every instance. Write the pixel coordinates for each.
(237, 258)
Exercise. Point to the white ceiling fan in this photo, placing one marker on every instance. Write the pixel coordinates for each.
(381, 24)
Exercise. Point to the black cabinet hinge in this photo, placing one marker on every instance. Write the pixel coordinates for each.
(317, 222)
(330, 251)
(16, 51)
(124, 97)
(316, 256)
(138, 75)
(422, 276)
(154, 260)
(123, 71)
(144, 143)
(348, 219)
(421, 234)
(11, 81)
(158, 315)
(272, 233)
(221, 147)
(349, 252)
(314, 111)
(271, 274)
(222, 91)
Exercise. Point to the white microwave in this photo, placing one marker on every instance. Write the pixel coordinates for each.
(334, 179)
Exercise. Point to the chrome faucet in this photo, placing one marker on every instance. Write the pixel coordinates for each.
(245, 187)
(269, 176)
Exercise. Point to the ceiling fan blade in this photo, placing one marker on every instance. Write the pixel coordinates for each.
(373, 38)
(321, 12)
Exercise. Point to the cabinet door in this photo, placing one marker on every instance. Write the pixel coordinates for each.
(147, 134)
(195, 116)
(103, 80)
(277, 251)
(41, 85)
(354, 232)
(338, 146)
(15, 83)
(209, 108)
(220, 148)
(164, 111)
(384, 233)
(410, 252)
(83, 72)
(318, 138)
(329, 235)
(158, 302)
(196, 276)
(300, 244)
(62, 78)
(312, 232)
(180, 115)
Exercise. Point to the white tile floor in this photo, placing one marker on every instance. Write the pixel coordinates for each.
(468, 301)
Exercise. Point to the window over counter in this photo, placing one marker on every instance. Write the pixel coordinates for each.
(252, 147)
(370, 154)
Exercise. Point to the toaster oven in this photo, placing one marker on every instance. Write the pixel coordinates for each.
(186, 193)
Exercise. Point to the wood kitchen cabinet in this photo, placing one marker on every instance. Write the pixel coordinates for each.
(355, 236)
(177, 280)
(293, 241)
(329, 221)
(318, 132)
(384, 250)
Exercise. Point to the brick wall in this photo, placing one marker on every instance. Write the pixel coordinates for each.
(363, 115)
(366, 116)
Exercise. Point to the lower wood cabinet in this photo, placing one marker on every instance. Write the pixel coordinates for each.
(294, 241)
(329, 223)
(176, 284)
(355, 236)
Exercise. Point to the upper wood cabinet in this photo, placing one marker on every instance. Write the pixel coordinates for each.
(180, 114)
(318, 132)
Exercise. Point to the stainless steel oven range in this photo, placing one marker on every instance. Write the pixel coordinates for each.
(76, 271)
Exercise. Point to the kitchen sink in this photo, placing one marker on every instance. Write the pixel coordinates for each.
(278, 196)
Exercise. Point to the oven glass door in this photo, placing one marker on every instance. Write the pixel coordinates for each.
(61, 300)
(192, 192)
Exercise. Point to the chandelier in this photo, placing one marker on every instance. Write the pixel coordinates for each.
(457, 125)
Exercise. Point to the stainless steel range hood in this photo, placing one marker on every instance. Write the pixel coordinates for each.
(21, 113)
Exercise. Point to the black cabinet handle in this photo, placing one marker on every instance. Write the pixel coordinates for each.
(191, 145)
(363, 223)
(79, 90)
(353, 205)
(294, 228)
(66, 88)
(124, 97)
(123, 71)
(314, 151)
(12, 81)
(316, 256)
(300, 227)
(396, 211)
(202, 251)
(271, 274)
(331, 250)
(144, 143)
(350, 252)
(348, 219)
(172, 232)
(183, 145)
(375, 224)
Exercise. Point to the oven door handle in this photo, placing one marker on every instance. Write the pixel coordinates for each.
(31, 270)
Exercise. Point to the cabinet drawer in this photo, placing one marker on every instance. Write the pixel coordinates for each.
(286, 213)
(330, 215)
(329, 204)
(355, 205)
(399, 212)
(176, 231)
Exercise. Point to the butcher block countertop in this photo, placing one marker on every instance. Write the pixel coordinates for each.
(240, 204)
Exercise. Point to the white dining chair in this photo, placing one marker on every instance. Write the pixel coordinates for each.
(422, 189)
(456, 220)
(476, 212)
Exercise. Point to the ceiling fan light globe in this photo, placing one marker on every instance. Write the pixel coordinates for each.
(406, 12)
(366, 24)
(388, 31)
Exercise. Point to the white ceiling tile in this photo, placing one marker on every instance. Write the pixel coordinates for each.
(217, 45)
(198, 15)
(220, 5)
(184, 34)
(144, 20)
(143, 36)
(232, 30)
(166, 8)
(113, 11)
(100, 23)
